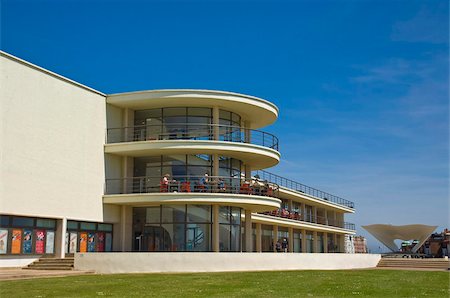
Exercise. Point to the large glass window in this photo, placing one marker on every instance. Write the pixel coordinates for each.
(309, 242)
(229, 229)
(26, 235)
(88, 237)
(297, 241)
(267, 238)
(182, 123)
(172, 228)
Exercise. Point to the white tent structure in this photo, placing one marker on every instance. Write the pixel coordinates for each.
(386, 234)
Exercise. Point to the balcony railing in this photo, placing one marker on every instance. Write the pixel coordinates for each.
(283, 213)
(190, 184)
(301, 188)
(191, 131)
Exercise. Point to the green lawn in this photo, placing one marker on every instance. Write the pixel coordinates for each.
(345, 283)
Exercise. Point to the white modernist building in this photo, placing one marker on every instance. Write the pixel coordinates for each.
(147, 171)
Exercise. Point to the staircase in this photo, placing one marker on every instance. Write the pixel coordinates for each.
(408, 263)
(52, 264)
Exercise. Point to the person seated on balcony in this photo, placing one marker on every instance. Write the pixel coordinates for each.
(284, 212)
(265, 188)
(257, 185)
(221, 185)
(245, 188)
(203, 183)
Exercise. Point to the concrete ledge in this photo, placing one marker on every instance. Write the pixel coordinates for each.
(15, 261)
(219, 262)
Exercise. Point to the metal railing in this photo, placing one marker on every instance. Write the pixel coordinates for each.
(189, 184)
(321, 220)
(191, 131)
(298, 187)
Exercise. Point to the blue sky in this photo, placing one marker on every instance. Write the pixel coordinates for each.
(362, 86)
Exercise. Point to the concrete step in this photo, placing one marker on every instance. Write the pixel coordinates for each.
(414, 263)
(52, 264)
(49, 268)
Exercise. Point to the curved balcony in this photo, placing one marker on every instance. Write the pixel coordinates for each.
(192, 131)
(256, 148)
(330, 222)
(304, 189)
(255, 195)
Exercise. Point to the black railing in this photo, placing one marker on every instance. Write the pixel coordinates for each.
(301, 188)
(191, 131)
(187, 184)
(321, 220)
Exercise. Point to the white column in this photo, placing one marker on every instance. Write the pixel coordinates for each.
(215, 229)
(315, 214)
(60, 239)
(304, 241)
(258, 238)
(248, 231)
(126, 219)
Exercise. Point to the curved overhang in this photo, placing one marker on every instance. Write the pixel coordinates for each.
(289, 223)
(256, 111)
(387, 234)
(251, 202)
(289, 194)
(258, 157)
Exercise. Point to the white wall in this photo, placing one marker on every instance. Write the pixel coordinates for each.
(218, 262)
(51, 138)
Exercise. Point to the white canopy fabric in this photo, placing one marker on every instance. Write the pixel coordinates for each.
(386, 234)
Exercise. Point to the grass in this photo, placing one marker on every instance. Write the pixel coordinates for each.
(344, 283)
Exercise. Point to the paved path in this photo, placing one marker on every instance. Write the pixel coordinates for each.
(18, 273)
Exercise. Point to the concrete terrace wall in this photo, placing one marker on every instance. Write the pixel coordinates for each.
(218, 262)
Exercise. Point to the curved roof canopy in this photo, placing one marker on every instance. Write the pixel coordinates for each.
(386, 234)
(257, 111)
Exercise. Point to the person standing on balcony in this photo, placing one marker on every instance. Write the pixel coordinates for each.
(203, 183)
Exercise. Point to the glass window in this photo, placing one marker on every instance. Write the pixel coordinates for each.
(236, 119)
(235, 215)
(140, 117)
(225, 115)
(173, 213)
(72, 225)
(198, 213)
(198, 237)
(4, 220)
(199, 160)
(46, 223)
(224, 215)
(174, 112)
(202, 112)
(153, 215)
(87, 226)
(105, 227)
(22, 222)
(174, 237)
